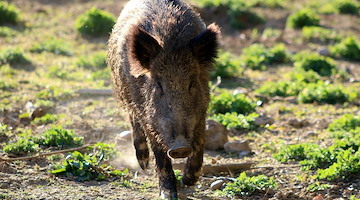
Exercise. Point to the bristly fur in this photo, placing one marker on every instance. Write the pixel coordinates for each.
(160, 55)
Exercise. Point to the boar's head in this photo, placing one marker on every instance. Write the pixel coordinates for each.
(175, 91)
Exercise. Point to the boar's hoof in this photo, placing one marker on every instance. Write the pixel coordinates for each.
(144, 164)
(179, 152)
(168, 195)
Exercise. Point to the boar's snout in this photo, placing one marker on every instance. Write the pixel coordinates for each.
(180, 148)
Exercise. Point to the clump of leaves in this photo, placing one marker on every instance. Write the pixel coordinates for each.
(21, 147)
(305, 76)
(59, 137)
(347, 6)
(301, 18)
(95, 61)
(6, 32)
(95, 22)
(315, 33)
(348, 48)
(347, 163)
(55, 46)
(326, 93)
(237, 121)
(281, 88)
(5, 131)
(46, 119)
(227, 102)
(13, 56)
(245, 185)
(103, 151)
(53, 93)
(86, 167)
(346, 122)
(257, 56)
(57, 72)
(226, 66)
(294, 152)
(318, 187)
(324, 66)
(9, 14)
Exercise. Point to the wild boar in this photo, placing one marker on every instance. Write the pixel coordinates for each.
(161, 54)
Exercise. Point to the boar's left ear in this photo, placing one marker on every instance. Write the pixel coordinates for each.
(205, 45)
(143, 48)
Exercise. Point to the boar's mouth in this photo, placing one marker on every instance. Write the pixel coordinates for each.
(180, 148)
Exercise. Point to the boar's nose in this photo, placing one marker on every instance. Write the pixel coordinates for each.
(179, 149)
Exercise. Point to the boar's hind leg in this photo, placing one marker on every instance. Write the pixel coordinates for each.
(193, 165)
(167, 180)
(141, 147)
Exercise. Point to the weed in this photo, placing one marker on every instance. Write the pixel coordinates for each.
(13, 56)
(281, 88)
(227, 102)
(103, 150)
(9, 14)
(301, 18)
(294, 152)
(325, 93)
(53, 93)
(7, 32)
(5, 131)
(55, 46)
(103, 74)
(305, 76)
(324, 66)
(257, 56)
(21, 147)
(346, 122)
(245, 185)
(95, 22)
(348, 48)
(347, 6)
(86, 167)
(59, 137)
(318, 187)
(57, 72)
(46, 119)
(314, 33)
(226, 66)
(236, 121)
(347, 163)
(270, 32)
(95, 61)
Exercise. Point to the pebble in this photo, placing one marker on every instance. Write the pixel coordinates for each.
(237, 146)
(216, 184)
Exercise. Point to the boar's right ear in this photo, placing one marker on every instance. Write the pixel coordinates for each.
(142, 49)
(205, 45)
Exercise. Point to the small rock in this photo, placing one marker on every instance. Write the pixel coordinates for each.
(318, 197)
(216, 184)
(324, 52)
(237, 146)
(215, 135)
(213, 161)
(297, 123)
(311, 134)
(263, 120)
(125, 135)
(243, 153)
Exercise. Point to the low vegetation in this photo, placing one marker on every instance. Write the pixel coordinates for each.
(13, 56)
(95, 22)
(227, 103)
(324, 66)
(94, 61)
(316, 33)
(55, 46)
(348, 48)
(301, 18)
(9, 14)
(237, 121)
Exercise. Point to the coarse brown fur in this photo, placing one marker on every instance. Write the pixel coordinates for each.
(160, 54)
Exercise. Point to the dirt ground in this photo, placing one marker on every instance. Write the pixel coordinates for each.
(98, 118)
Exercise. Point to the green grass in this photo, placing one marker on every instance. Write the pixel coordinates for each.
(6, 32)
(95, 22)
(348, 48)
(94, 61)
(13, 56)
(46, 119)
(55, 46)
(9, 14)
(346, 122)
(301, 18)
(347, 6)
(227, 102)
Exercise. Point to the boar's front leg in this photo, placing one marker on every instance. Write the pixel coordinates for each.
(194, 163)
(140, 143)
(167, 180)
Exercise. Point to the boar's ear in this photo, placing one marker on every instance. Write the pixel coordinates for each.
(143, 48)
(205, 45)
